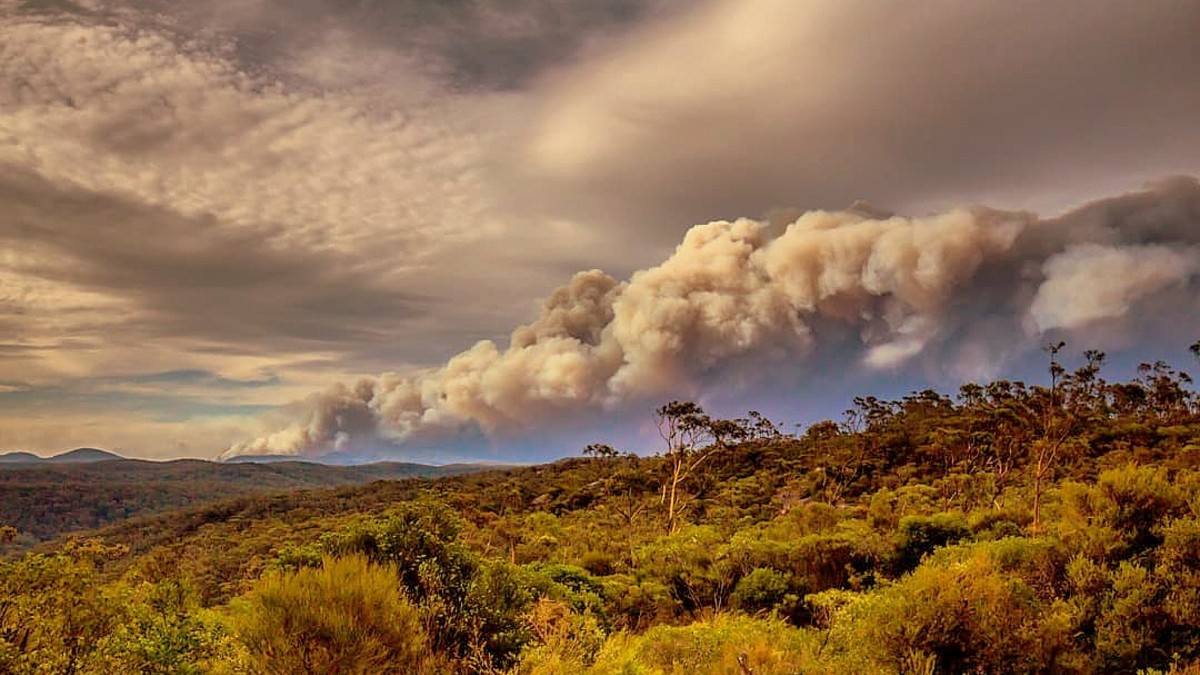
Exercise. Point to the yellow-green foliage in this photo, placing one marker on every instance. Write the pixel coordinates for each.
(164, 632)
(53, 611)
(348, 616)
(983, 608)
(710, 647)
(641, 602)
(58, 616)
(567, 642)
(1118, 516)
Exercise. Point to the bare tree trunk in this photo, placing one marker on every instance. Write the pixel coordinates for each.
(1038, 476)
(672, 517)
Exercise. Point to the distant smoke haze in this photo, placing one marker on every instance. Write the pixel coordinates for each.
(962, 293)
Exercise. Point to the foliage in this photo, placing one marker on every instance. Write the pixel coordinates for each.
(724, 645)
(347, 616)
(977, 608)
(56, 616)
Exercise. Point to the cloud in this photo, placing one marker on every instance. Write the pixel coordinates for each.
(155, 187)
(160, 183)
(196, 377)
(152, 405)
(741, 106)
(129, 112)
(744, 297)
(167, 205)
(189, 276)
(417, 46)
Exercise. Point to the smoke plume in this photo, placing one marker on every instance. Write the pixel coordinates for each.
(955, 293)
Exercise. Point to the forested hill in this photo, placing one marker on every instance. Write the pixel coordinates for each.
(1009, 528)
(44, 499)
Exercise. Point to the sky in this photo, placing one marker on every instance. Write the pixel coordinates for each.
(446, 230)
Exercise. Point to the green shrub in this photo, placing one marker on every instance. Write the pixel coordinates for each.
(166, 633)
(55, 612)
(565, 641)
(762, 589)
(967, 609)
(347, 616)
(710, 647)
(1121, 514)
(918, 536)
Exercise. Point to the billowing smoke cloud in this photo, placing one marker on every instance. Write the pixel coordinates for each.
(1091, 282)
(940, 292)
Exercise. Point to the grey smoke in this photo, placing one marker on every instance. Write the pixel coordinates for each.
(957, 292)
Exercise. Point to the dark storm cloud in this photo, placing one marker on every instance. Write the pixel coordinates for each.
(489, 44)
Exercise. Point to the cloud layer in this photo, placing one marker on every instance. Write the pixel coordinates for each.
(748, 297)
(743, 105)
(165, 205)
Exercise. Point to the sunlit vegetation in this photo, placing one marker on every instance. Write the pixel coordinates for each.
(1010, 528)
(346, 615)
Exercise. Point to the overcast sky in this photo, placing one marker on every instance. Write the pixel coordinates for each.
(287, 225)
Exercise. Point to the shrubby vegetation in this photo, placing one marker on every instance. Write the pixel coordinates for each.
(59, 614)
(345, 616)
(1010, 528)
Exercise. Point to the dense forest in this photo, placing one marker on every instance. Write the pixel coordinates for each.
(1008, 528)
(43, 500)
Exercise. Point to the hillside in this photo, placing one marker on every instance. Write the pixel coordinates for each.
(45, 499)
(1009, 528)
(83, 456)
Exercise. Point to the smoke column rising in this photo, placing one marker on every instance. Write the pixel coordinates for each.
(958, 292)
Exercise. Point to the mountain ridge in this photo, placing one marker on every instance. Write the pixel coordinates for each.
(84, 455)
(77, 456)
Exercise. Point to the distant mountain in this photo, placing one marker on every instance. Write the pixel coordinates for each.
(76, 456)
(82, 455)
